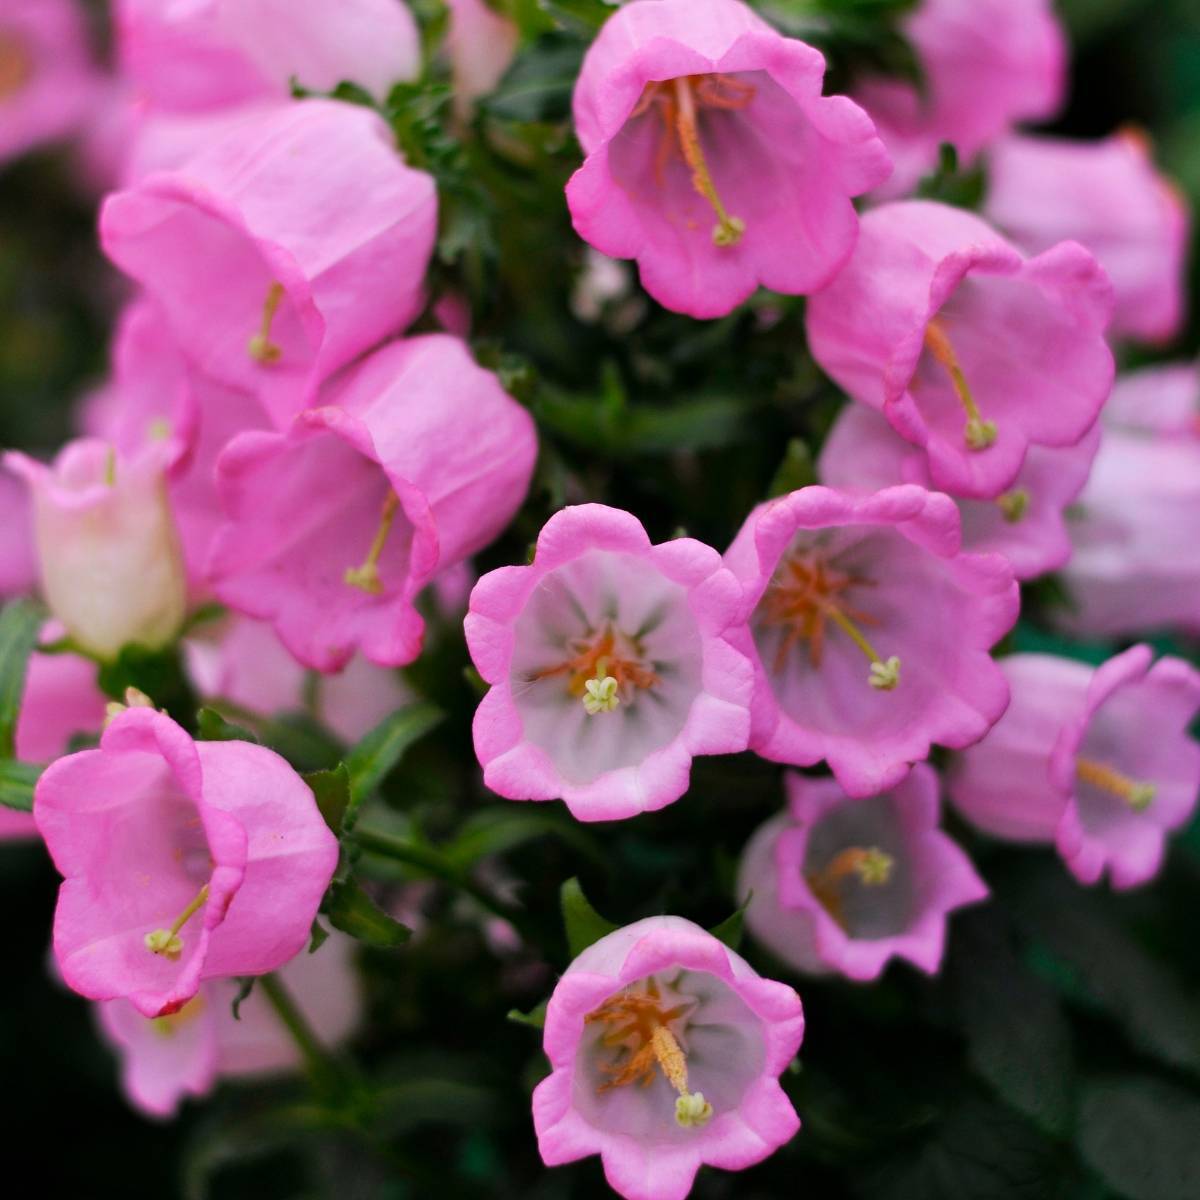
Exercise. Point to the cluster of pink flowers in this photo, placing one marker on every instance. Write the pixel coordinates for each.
(272, 438)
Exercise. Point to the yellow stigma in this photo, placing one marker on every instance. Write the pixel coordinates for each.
(1139, 796)
(978, 434)
(366, 576)
(1014, 505)
(167, 942)
(884, 676)
(869, 864)
(729, 229)
(600, 692)
(260, 347)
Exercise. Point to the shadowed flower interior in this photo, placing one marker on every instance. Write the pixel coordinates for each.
(665, 1055)
(606, 664)
(16, 64)
(858, 866)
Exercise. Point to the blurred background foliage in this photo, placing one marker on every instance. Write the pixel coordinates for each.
(1058, 1054)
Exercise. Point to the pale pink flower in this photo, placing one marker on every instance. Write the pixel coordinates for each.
(712, 157)
(972, 351)
(1097, 762)
(869, 631)
(666, 1049)
(282, 252)
(609, 666)
(481, 44)
(843, 885)
(1107, 195)
(18, 558)
(183, 861)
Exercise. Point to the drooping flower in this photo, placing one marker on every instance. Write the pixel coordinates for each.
(1026, 524)
(1097, 762)
(972, 351)
(47, 76)
(712, 157)
(165, 1059)
(1135, 566)
(481, 44)
(183, 861)
(272, 278)
(609, 666)
(243, 661)
(417, 459)
(986, 65)
(666, 1051)
(109, 557)
(869, 631)
(842, 885)
(1108, 196)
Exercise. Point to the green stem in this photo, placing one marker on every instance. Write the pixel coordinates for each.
(327, 1074)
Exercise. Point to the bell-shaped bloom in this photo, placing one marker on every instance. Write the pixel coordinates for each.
(417, 459)
(972, 351)
(282, 252)
(166, 1059)
(1136, 563)
(869, 631)
(191, 55)
(47, 77)
(18, 558)
(183, 861)
(481, 44)
(666, 1049)
(1026, 524)
(244, 662)
(712, 157)
(986, 65)
(1108, 196)
(610, 666)
(1097, 762)
(844, 885)
(108, 550)
(155, 397)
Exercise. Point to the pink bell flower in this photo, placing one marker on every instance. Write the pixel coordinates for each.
(972, 351)
(336, 525)
(844, 886)
(610, 666)
(166, 1059)
(986, 64)
(1136, 561)
(712, 157)
(1027, 524)
(481, 44)
(1108, 196)
(109, 557)
(183, 861)
(18, 558)
(666, 1049)
(274, 277)
(1097, 762)
(47, 76)
(869, 631)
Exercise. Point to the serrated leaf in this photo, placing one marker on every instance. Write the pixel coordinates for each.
(19, 625)
(373, 758)
(351, 910)
(212, 727)
(331, 790)
(583, 924)
(1142, 1135)
(17, 781)
(535, 1018)
(729, 930)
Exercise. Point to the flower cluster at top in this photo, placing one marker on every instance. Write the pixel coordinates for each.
(296, 433)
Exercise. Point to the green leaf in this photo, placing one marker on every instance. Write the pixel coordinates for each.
(538, 88)
(19, 625)
(729, 930)
(584, 925)
(795, 472)
(159, 674)
(332, 792)
(212, 727)
(1142, 1135)
(381, 750)
(578, 16)
(351, 910)
(535, 1019)
(17, 780)
(318, 935)
(497, 830)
